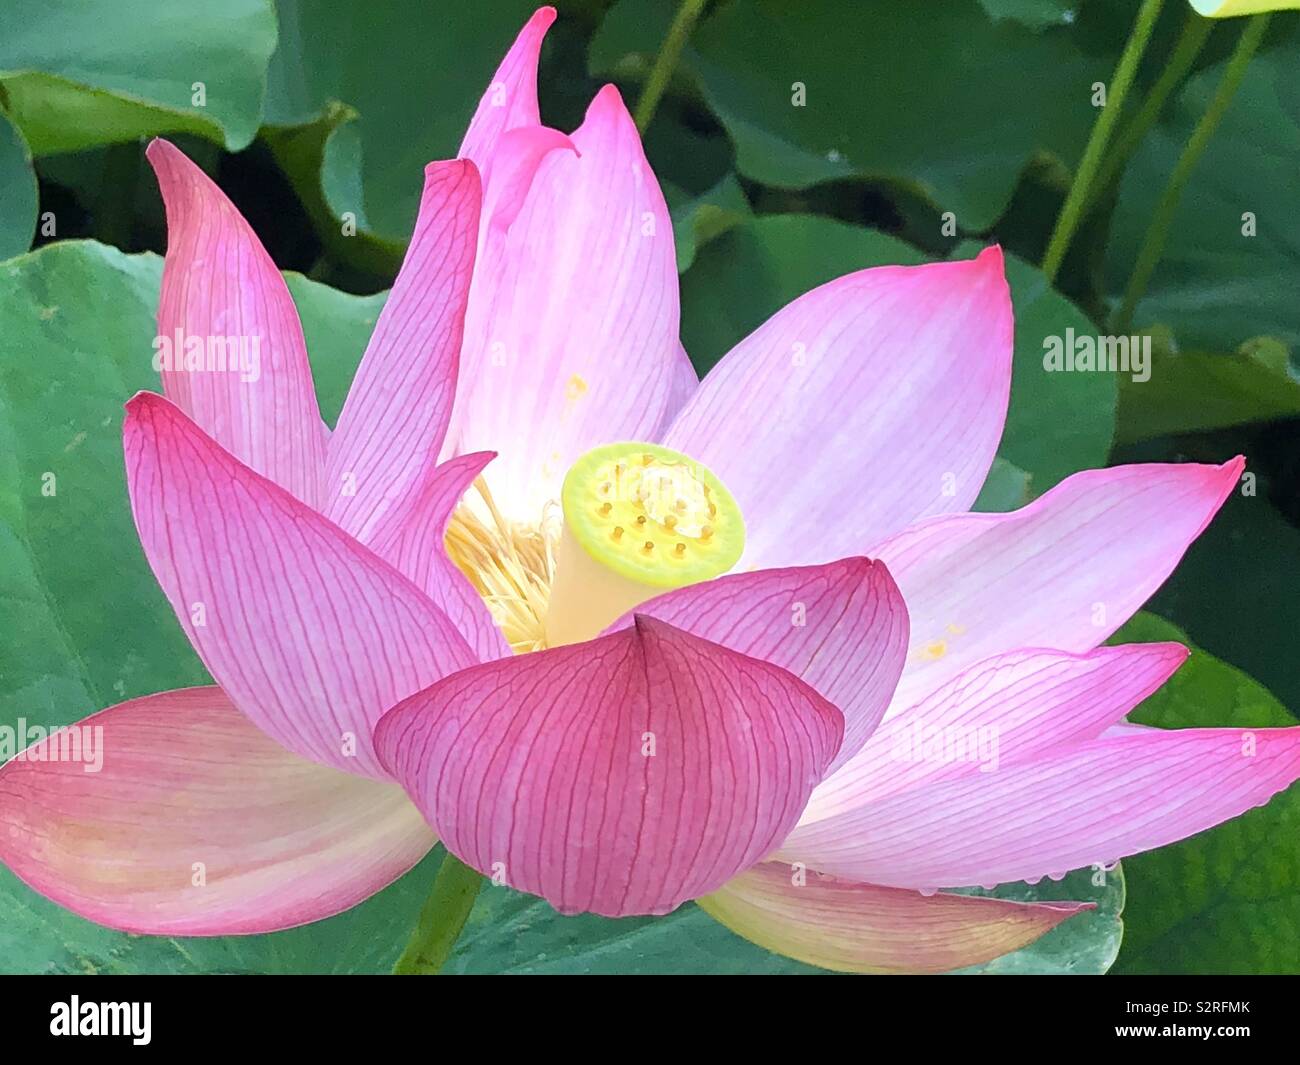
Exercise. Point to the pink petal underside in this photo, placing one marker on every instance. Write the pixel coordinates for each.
(840, 628)
(309, 633)
(571, 336)
(1004, 710)
(621, 776)
(220, 284)
(396, 414)
(511, 98)
(1078, 805)
(412, 540)
(867, 403)
(186, 779)
(862, 928)
(1064, 572)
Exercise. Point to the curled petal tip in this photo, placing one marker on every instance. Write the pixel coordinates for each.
(1223, 477)
(164, 157)
(459, 167)
(1164, 649)
(989, 268)
(140, 402)
(609, 101)
(992, 257)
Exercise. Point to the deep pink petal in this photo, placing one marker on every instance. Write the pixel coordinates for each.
(412, 540)
(866, 404)
(840, 628)
(862, 928)
(309, 633)
(1079, 805)
(571, 338)
(1064, 572)
(219, 282)
(511, 98)
(198, 824)
(396, 414)
(621, 776)
(1001, 711)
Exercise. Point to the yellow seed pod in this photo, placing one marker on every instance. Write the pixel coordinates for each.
(1233, 8)
(639, 519)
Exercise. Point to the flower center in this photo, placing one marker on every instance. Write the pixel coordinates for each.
(639, 519)
(510, 564)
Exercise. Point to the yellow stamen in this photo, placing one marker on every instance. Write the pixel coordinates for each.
(510, 565)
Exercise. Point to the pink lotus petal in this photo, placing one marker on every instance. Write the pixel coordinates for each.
(1004, 710)
(1079, 805)
(862, 928)
(509, 176)
(511, 98)
(197, 824)
(412, 540)
(685, 382)
(620, 776)
(867, 403)
(840, 628)
(397, 410)
(219, 283)
(309, 634)
(1064, 572)
(571, 338)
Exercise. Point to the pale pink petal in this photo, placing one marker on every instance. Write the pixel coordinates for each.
(197, 824)
(511, 98)
(510, 172)
(220, 287)
(840, 628)
(862, 928)
(1064, 572)
(1004, 710)
(309, 633)
(620, 776)
(507, 182)
(396, 414)
(865, 404)
(1125, 728)
(412, 540)
(1085, 804)
(571, 338)
(685, 382)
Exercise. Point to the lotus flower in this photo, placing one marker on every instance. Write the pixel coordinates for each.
(617, 636)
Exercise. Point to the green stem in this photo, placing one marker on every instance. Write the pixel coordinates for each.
(1153, 244)
(1196, 31)
(444, 914)
(1072, 211)
(666, 61)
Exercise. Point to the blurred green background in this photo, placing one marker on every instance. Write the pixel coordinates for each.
(924, 131)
